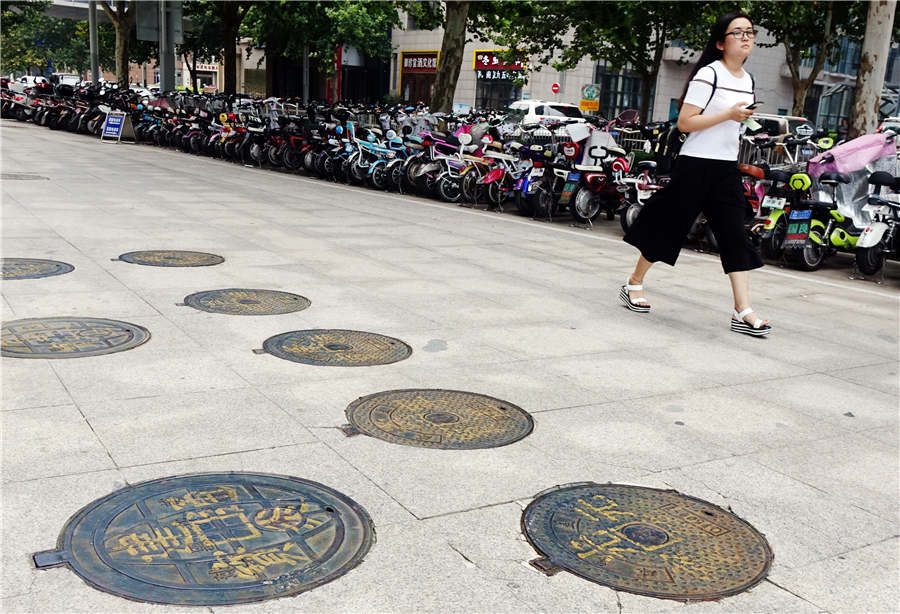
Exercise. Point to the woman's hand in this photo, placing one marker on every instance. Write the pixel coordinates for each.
(738, 113)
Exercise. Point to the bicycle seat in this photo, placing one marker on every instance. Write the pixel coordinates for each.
(881, 178)
(752, 171)
(646, 165)
(834, 177)
(779, 176)
(816, 204)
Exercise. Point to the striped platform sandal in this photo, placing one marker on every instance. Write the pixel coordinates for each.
(640, 305)
(739, 325)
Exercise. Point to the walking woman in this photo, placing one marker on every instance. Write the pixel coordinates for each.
(706, 177)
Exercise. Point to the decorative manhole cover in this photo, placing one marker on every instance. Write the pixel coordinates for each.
(69, 337)
(446, 419)
(171, 258)
(214, 539)
(248, 302)
(32, 268)
(337, 348)
(22, 177)
(642, 540)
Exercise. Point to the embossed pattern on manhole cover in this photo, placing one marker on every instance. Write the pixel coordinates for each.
(173, 258)
(214, 539)
(69, 337)
(246, 301)
(33, 268)
(446, 419)
(337, 348)
(22, 177)
(652, 542)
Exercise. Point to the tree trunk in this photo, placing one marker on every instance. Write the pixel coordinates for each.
(647, 82)
(451, 56)
(230, 25)
(872, 66)
(192, 69)
(123, 20)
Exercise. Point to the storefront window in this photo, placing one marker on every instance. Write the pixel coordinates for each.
(620, 90)
(495, 80)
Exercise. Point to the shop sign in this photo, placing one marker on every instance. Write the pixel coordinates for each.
(589, 105)
(425, 61)
(495, 75)
(208, 67)
(488, 59)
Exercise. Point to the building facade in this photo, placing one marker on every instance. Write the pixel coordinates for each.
(492, 85)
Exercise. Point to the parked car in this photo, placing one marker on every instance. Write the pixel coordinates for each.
(65, 78)
(533, 111)
(23, 83)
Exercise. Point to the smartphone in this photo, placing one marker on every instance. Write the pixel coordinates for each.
(754, 105)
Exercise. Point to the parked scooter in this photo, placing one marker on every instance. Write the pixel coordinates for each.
(881, 238)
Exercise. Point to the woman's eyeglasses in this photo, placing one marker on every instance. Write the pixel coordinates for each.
(742, 34)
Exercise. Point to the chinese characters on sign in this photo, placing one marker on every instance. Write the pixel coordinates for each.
(495, 74)
(420, 62)
(489, 59)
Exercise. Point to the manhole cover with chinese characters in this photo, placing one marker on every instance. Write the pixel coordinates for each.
(651, 542)
(33, 268)
(247, 302)
(446, 419)
(337, 348)
(214, 539)
(69, 337)
(173, 258)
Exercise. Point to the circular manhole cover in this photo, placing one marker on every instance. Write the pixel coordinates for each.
(32, 268)
(337, 348)
(214, 539)
(651, 542)
(69, 337)
(246, 302)
(446, 419)
(172, 258)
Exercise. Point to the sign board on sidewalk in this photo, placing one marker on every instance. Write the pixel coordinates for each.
(589, 105)
(116, 125)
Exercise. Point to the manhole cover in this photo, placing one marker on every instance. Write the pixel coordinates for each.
(69, 337)
(32, 268)
(22, 177)
(240, 301)
(172, 258)
(214, 539)
(642, 540)
(337, 348)
(446, 419)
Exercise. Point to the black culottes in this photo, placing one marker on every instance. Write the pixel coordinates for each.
(698, 184)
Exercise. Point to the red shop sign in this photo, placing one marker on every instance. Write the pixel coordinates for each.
(419, 61)
(486, 59)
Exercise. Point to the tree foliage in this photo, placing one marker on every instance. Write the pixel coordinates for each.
(32, 40)
(203, 41)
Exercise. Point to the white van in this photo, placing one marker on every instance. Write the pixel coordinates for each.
(533, 111)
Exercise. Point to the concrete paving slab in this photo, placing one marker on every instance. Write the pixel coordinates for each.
(879, 375)
(31, 383)
(189, 425)
(49, 441)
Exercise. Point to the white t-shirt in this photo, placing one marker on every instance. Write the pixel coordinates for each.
(722, 141)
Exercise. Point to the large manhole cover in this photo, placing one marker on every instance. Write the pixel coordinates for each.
(446, 419)
(32, 268)
(642, 540)
(173, 258)
(69, 337)
(337, 348)
(214, 539)
(249, 302)
(22, 177)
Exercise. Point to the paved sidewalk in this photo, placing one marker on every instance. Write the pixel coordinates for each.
(796, 433)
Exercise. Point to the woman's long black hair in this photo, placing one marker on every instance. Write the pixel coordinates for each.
(711, 53)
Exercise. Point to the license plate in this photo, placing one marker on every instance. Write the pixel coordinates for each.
(800, 214)
(773, 202)
(537, 172)
(574, 176)
(806, 151)
(567, 192)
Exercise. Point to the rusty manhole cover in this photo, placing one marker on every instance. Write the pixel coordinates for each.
(246, 302)
(446, 419)
(652, 542)
(337, 348)
(173, 258)
(33, 268)
(69, 337)
(214, 539)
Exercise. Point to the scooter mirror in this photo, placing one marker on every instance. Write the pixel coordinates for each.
(465, 138)
(391, 135)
